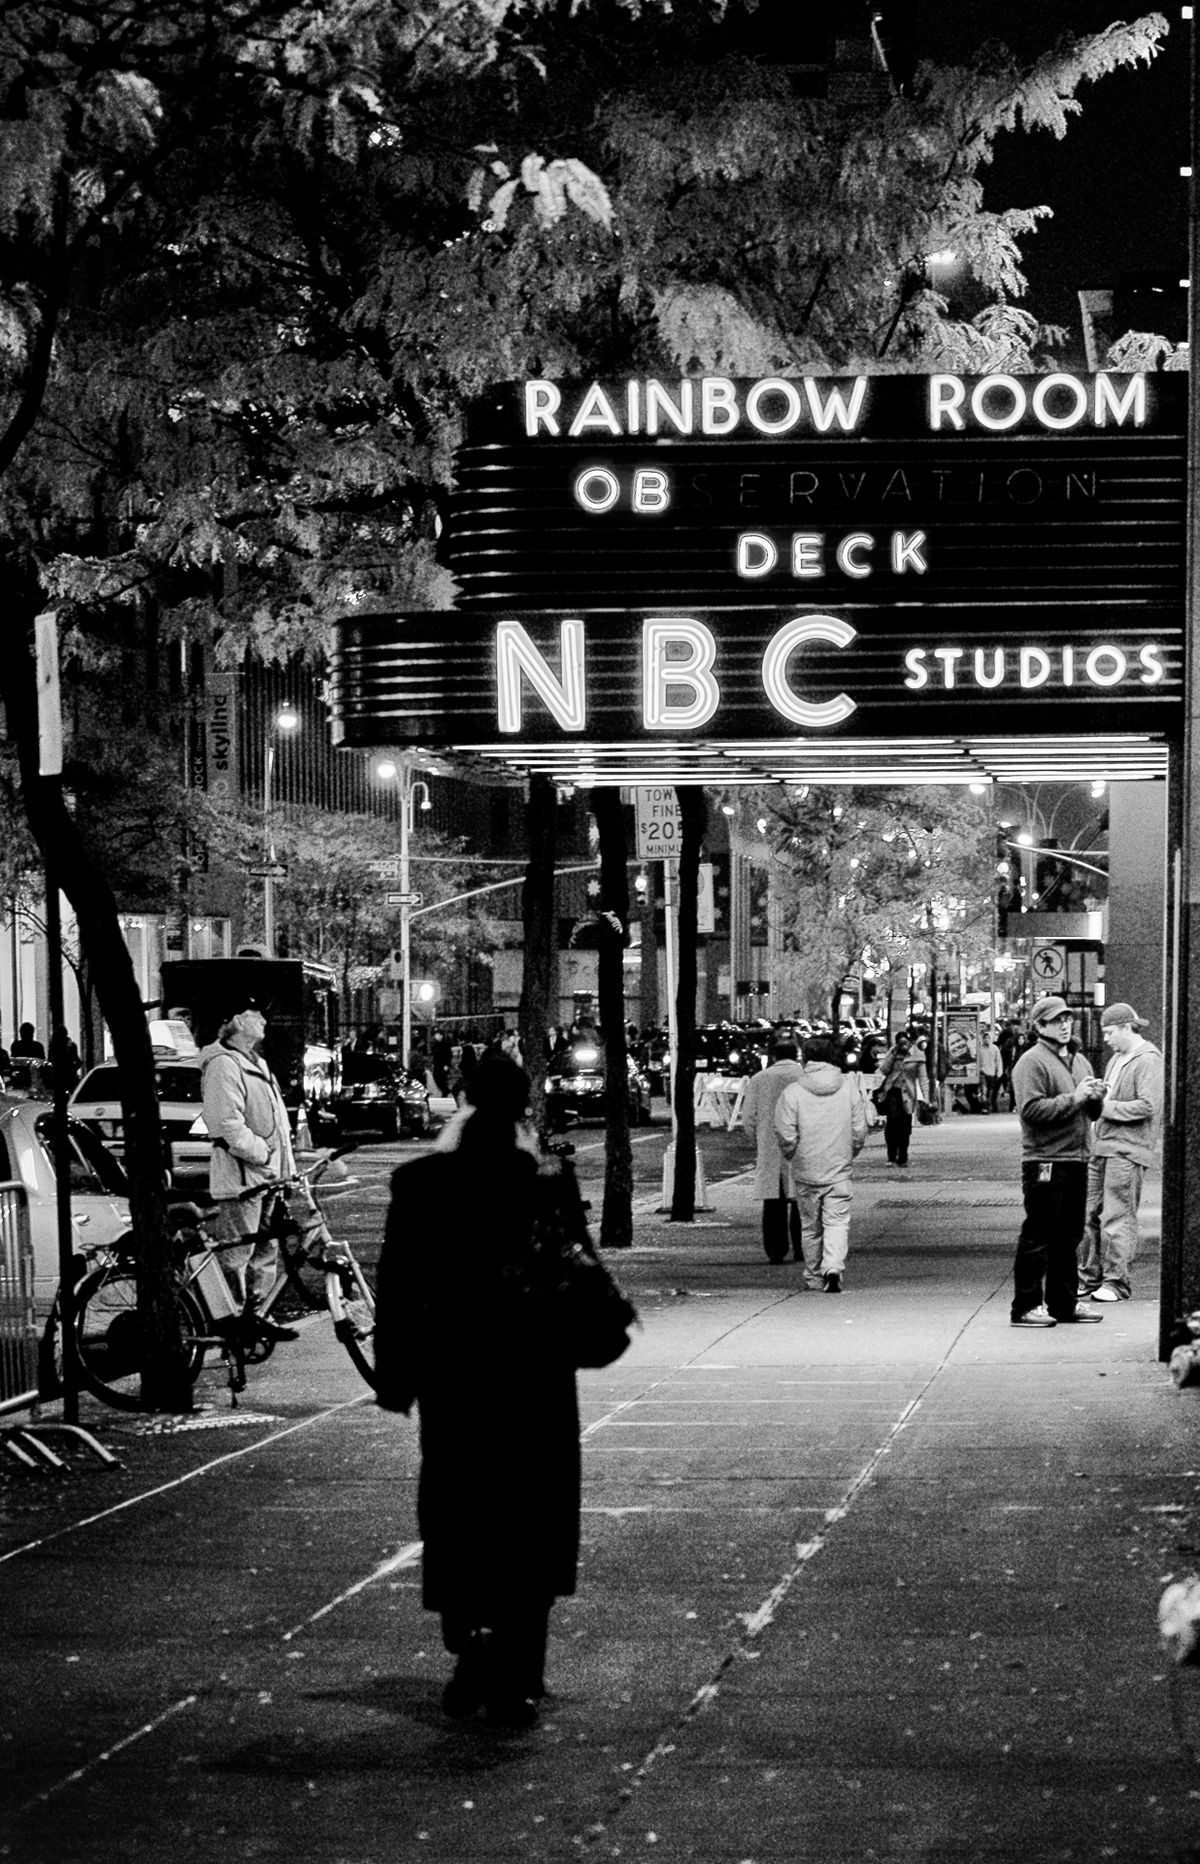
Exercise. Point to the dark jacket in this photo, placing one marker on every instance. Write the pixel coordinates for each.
(498, 1495)
(1053, 1124)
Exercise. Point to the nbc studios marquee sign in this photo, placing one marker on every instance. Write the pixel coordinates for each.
(649, 562)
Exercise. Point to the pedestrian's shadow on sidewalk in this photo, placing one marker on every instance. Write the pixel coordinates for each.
(465, 1747)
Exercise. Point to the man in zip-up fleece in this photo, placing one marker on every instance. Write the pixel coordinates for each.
(1057, 1097)
(1123, 1144)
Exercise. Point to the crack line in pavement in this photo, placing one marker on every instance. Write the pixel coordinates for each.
(760, 1620)
(406, 1556)
(164, 1488)
(80, 1773)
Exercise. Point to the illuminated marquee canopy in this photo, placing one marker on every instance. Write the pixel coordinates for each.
(714, 581)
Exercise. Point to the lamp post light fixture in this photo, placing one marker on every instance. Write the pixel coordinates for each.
(400, 770)
(286, 720)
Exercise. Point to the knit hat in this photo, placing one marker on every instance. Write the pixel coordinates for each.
(498, 1088)
(1047, 1008)
(1122, 1013)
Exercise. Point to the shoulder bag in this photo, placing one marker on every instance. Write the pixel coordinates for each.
(582, 1309)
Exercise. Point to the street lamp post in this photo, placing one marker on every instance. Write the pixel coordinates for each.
(286, 719)
(409, 792)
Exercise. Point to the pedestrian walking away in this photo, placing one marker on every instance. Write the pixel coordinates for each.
(821, 1125)
(772, 1178)
(456, 1333)
(1057, 1097)
(1124, 1141)
(251, 1145)
(897, 1096)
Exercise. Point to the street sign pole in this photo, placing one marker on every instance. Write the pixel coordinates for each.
(405, 915)
(671, 927)
(50, 771)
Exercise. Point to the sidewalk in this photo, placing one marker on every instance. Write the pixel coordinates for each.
(870, 1576)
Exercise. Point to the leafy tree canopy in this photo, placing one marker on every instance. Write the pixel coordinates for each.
(258, 256)
(332, 907)
(886, 877)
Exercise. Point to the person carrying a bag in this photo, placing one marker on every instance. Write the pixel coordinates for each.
(897, 1097)
(486, 1301)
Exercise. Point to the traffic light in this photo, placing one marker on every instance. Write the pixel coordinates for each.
(1008, 886)
(1048, 877)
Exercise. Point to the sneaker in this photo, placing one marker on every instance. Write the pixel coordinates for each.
(1083, 1317)
(1035, 1317)
(1105, 1292)
(832, 1284)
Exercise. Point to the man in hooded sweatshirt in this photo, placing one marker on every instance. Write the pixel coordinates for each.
(821, 1124)
(1124, 1139)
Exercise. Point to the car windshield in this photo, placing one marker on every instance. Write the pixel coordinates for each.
(94, 1171)
(359, 1069)
(172, 1081)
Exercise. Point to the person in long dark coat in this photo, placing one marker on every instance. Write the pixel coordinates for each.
(456, 1333)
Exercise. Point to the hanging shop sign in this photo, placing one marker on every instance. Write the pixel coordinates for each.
(721, 561)
(471, 679)
(997, 493)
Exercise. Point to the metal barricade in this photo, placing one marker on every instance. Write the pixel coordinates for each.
(18, 1328)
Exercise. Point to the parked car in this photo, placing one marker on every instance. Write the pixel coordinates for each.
(99, 1204)
(377, 1095)
(171, 1039)
(97, 1100)
(575, 1089)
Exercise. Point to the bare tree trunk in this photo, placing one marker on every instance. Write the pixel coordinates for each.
(693, 809)
(616, 1223)
(165, 1382)
(538, 922)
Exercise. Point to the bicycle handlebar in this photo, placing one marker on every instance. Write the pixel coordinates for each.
(308, 1175)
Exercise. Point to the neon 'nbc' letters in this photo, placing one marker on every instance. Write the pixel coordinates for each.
(681, 689)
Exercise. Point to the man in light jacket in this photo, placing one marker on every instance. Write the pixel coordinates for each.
(251, 1145)
(1124, 1140)
(821, 1123)
(772, 1180)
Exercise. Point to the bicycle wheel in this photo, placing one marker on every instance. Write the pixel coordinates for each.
(108, 1335)
(350, 1296)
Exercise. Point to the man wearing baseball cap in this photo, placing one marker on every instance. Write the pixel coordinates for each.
(1123, 1144)
(1057, 1097)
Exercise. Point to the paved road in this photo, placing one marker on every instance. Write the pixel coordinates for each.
(869, 1576)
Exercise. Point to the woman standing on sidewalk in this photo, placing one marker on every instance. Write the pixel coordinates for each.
(897, 1095)
(499, 1489)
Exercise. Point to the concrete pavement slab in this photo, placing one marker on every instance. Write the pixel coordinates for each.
(870, 1576)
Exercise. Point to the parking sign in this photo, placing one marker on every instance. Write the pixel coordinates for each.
(658, 825)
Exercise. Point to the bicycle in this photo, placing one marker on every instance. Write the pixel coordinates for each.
(317, 1270)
